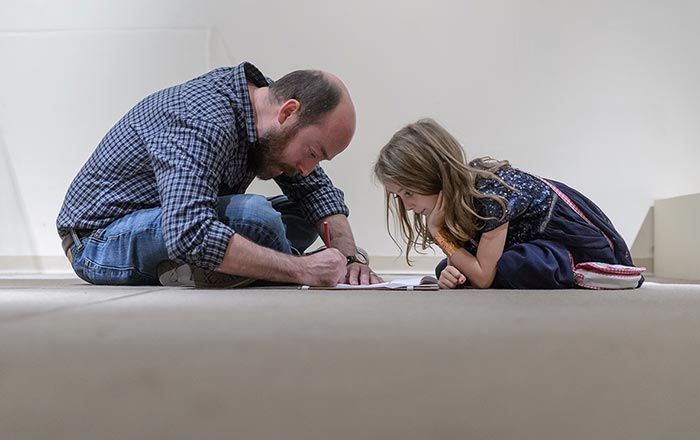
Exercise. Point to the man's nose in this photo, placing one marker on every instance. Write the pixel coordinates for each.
(303, 170)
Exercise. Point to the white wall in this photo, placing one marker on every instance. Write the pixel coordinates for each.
(676, 240)
(600, 94)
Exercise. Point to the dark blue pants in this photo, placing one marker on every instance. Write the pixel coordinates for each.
(538, 264)
(547, 261)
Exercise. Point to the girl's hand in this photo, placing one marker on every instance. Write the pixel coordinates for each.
(450, 278)
(436, 218)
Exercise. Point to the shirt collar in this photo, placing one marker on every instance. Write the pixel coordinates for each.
(243, 73)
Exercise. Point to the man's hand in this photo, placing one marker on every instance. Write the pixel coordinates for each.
(358, 273)
(325, 268)
(450, 278)
(342, 239)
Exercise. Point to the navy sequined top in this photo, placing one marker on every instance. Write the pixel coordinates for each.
(527, 208)
(549, 211)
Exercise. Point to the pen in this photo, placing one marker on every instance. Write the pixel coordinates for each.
(327, 234)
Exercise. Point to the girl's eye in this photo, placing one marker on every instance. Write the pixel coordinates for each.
(408, 193)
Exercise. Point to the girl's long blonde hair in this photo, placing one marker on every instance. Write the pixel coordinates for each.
(424, 158)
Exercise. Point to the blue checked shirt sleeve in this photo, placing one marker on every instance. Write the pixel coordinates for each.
(314, 194)
(188, 159)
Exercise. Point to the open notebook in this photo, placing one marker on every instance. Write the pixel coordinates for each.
(416, 283)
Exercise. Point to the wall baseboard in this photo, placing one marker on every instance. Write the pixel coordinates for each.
(382, 264)
(29, 264)
(421, 265)
(58, 264)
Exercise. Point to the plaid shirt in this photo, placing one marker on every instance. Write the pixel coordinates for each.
(181, 148)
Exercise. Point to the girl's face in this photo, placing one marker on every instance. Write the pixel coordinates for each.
(419, 203)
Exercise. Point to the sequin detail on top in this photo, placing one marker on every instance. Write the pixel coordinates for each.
(527, 208)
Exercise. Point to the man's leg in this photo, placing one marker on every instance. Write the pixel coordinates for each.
(254, 217)
(300, 233)
(127, 252)
(250, 215)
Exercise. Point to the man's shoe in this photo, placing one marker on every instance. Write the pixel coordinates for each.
(174, 274)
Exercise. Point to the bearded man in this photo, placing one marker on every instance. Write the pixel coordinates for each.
(162, 198)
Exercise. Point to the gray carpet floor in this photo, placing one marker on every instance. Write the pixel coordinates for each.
(87, 362)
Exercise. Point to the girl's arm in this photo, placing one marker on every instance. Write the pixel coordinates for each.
(480, 270)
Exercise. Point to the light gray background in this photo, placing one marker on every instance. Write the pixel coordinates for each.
(600, 94)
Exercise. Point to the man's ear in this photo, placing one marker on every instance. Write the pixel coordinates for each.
(288, 108)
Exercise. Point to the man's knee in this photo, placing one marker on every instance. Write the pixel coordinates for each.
(300, 232)
(253, 217)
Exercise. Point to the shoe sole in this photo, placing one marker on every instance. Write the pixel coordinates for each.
(174, 274)
(209, 279)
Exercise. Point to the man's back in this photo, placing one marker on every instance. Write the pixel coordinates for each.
(119, 176)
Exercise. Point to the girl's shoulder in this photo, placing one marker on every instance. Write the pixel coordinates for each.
(505, 177)
(519, 193)
(512, 184)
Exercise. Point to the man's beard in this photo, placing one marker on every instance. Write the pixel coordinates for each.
(267, 153)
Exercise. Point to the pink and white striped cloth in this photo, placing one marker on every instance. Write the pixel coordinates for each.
(598, 276)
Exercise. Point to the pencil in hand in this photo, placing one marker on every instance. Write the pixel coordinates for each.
(327, 235)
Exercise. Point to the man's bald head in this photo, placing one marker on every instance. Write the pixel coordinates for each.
(304, 117)
(318, 94)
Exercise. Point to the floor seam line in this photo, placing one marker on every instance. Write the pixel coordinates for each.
(71, 307)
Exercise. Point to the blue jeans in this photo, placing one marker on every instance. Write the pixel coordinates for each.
(128, 251)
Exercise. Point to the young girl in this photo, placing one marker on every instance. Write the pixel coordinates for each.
(499, 227)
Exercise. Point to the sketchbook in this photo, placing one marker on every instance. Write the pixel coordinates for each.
(416, 283)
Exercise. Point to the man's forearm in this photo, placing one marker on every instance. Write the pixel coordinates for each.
(246, 258)
(341, 233)
(343, 241)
